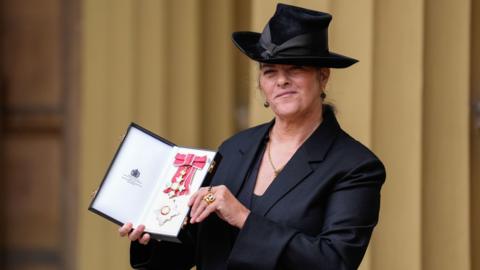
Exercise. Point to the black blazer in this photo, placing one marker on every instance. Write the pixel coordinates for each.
(319, 212)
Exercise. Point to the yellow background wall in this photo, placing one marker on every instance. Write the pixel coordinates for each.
(170, 66)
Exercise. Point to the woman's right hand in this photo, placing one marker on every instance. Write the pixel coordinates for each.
(137, 234)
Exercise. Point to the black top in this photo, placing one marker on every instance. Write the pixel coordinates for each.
(255, 199)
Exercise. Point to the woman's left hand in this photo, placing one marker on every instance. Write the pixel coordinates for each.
(224, 204)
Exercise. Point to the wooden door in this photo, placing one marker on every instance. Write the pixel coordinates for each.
(38, 93)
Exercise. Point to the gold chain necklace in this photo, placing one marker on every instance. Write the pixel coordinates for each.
(275, 170)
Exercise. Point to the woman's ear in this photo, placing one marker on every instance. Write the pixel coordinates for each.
(324, 74)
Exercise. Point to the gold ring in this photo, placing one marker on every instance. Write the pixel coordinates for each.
(209, 198)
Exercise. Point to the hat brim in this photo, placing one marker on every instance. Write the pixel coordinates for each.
(248, 43)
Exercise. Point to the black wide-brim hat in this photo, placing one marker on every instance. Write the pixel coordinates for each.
(295, 36)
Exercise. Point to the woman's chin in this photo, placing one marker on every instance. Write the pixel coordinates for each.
(287, 111)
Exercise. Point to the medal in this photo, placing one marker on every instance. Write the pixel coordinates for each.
(187, 165)
(179, 185)
(166, 212)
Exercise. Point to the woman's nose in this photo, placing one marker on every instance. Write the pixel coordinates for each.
(282, 79)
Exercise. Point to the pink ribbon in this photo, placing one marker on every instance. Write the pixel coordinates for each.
(187, 165)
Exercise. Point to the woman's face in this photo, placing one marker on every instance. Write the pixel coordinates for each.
(293, 91)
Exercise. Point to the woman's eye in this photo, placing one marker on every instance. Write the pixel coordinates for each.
(268, 71)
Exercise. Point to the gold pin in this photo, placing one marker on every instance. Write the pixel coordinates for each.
(212, 166)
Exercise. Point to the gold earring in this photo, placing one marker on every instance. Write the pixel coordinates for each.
(266, 104)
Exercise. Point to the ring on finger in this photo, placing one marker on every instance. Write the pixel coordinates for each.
(209, 198)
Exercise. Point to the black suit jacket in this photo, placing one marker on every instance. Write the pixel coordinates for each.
(319, 212)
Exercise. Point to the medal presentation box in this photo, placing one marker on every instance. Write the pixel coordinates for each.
(150, 181)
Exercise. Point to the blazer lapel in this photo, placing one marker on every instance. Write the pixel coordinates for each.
(246, 152)
(297, 169)
(300, 166)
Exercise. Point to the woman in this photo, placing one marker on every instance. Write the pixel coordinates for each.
(295, 193)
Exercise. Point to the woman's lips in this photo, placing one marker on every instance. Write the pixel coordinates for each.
(285, 94)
